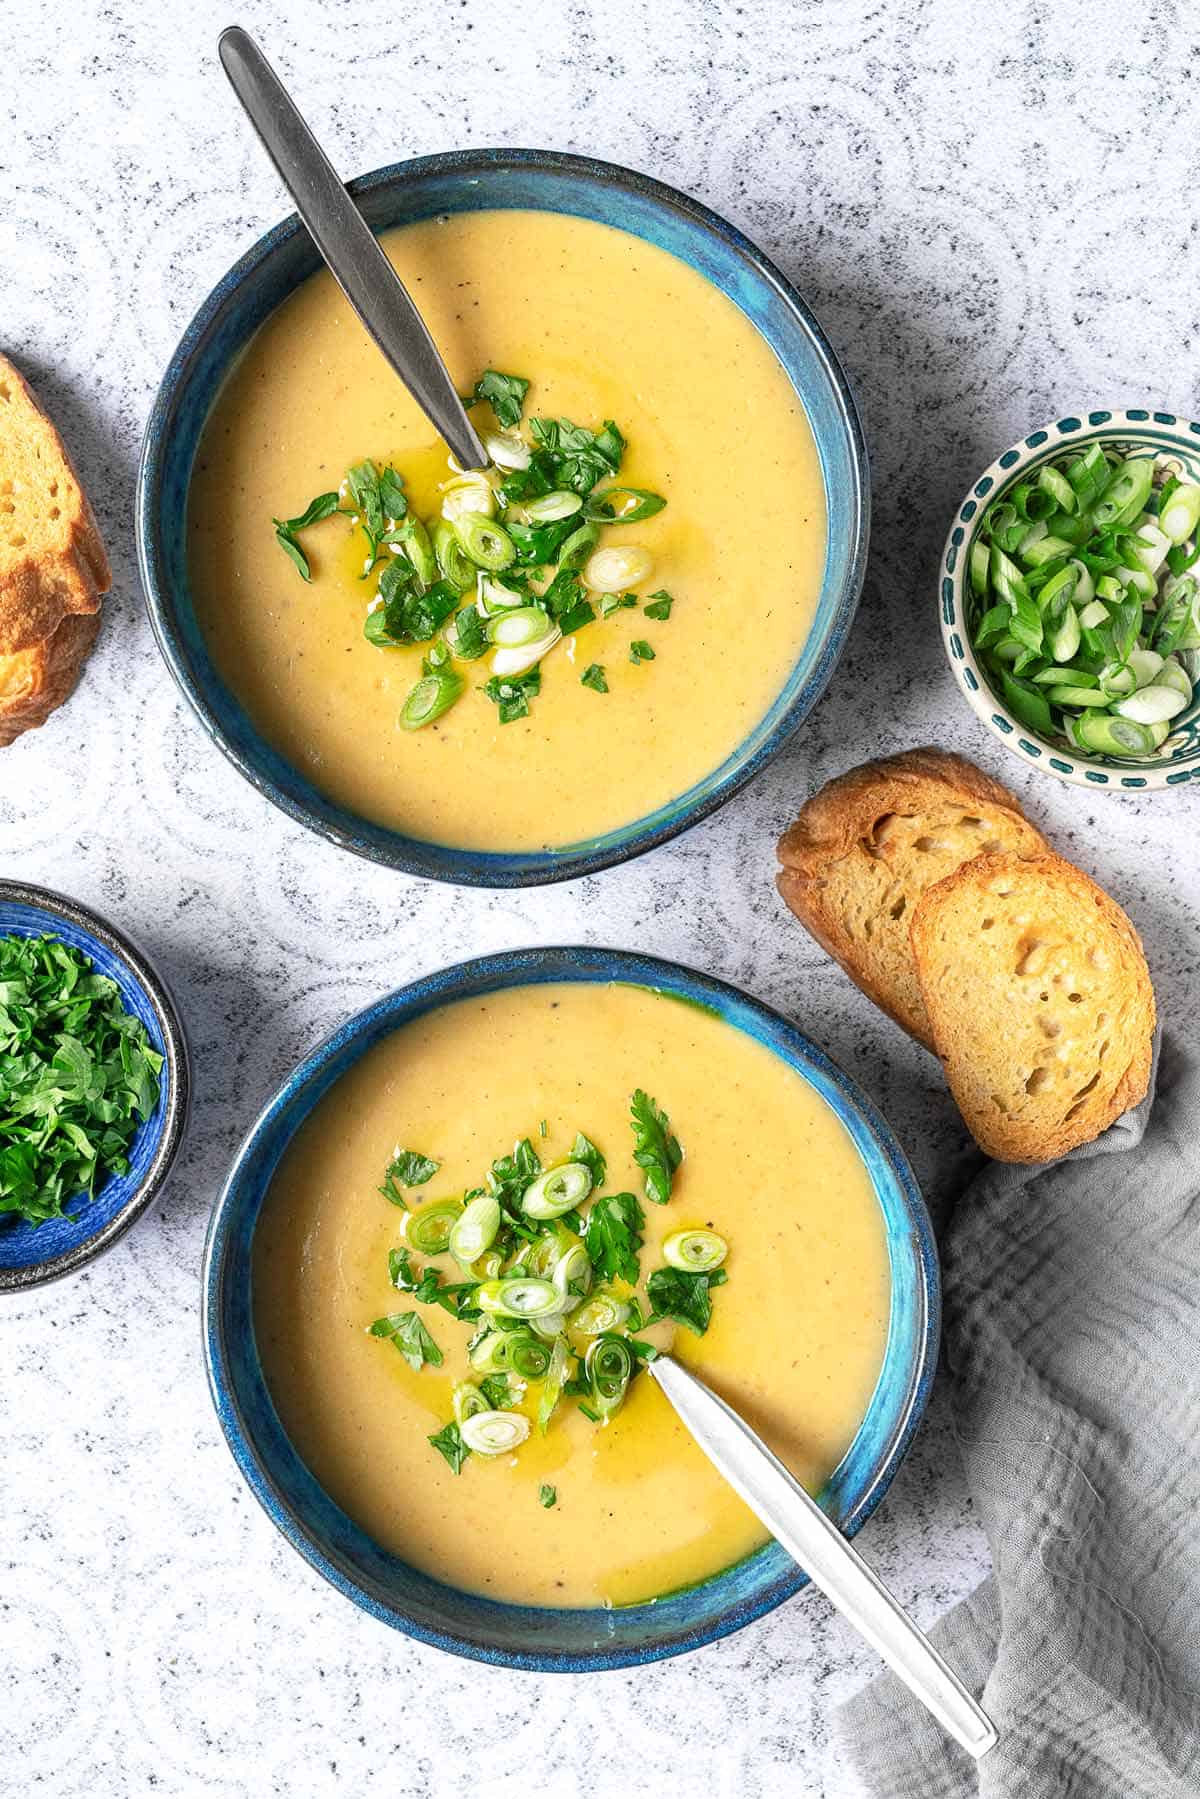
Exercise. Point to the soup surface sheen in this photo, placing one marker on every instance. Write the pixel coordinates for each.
(605, 326)
(797, 1333)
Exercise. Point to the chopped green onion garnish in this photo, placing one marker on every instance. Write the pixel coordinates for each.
(610, 569)
(518, 1298)
(507, 451)
(551, 506)
(601, 1313)
(608, 1366)
(547, 1496)
(558, 1190)
(572, 1277)
(464, 494)
(428, 1230)
(530, 1243)
(432, 695)
(454, 565)
(1075, 600)
(522, 625)
(475, 1231)
(1180, 516)
(494, 1433)
(695, 1251)
(575, 549)
(467, 1400)
(485, 542)
(552, 1386)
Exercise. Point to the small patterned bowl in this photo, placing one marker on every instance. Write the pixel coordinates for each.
(466, 181)
(30, 1254)
(1176, 443)
(522, 1636)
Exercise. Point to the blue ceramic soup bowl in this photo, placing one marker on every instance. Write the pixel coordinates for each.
(32, 1254)
(534, 1637)
(463, 181)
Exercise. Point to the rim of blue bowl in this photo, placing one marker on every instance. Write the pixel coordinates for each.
(177, 1086)
(320, 1069)
(467, 867)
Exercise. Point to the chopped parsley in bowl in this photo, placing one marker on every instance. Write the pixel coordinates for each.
(93, 1085)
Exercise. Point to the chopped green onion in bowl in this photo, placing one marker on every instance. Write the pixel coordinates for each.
(1081, 605)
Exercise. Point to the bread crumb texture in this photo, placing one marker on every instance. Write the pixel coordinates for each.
(1040, 1001)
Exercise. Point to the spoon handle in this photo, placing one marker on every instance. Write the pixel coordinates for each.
(341, 234)
(830, 1562)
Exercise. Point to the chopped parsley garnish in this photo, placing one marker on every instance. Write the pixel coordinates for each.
(683, 1297)
(414, 1342)
(551, 1266)
(656, 1148)
(380, 504)
(629, 505)
(407, 1168)
(585, 1151)
(470, 637)
(448, 1443)
(78, 1074)
(443, 580)
(616, 602)
(547, 1495)
(497, 1390)
(286, 529)
(408, 612)
(427, 1285)
(505, 394)
(613, 1236)
(512, 693)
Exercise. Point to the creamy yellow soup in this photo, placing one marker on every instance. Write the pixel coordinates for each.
(604, 326)
(797, 1334)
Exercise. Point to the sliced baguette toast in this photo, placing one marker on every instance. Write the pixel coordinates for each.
(869, 843)
(34, 681)
(53, 568)
(1040, 1000)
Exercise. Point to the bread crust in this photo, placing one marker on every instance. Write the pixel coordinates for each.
(53, 568)
(66, 570)
(844, 812)
(35, 681)
(1013, 1140)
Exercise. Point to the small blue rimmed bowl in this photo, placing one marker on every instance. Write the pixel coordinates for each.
(474, 180)
(1175, 443)
(533, 1637)
(33, 1254)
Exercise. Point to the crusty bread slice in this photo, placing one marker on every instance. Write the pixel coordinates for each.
(53, 568)
(869, 843)
(1040, 1000)
(34, 681)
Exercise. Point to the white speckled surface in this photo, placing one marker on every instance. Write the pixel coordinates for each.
(990, 215)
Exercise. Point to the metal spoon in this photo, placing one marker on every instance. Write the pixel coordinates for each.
(798, 1522)
(341, 234)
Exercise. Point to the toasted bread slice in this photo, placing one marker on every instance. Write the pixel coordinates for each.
(1040, 1000)
(869, 843)
(52, 560)
(34, 681)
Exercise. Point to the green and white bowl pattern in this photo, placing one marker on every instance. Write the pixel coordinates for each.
(1176, 442)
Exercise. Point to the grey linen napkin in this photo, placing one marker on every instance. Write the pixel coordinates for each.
(1072, 1346)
